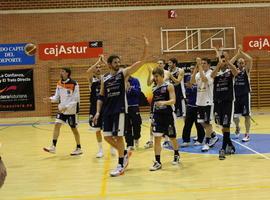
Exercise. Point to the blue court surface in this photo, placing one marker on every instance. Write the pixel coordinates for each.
(258, 144)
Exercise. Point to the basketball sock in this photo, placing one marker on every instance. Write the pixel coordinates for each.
(228, 139)
(226, 136)
(100, 146)
(121, 161)
(54, 142)
(207, 140)
(78, 146)
(158, 158)
(176, 152)
(213, 134)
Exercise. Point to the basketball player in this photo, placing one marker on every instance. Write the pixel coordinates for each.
(68, 96)
(3, 172)
(191, 114)
(133, 117)
(242, 91)
(94, 77)
(113, 99)
(163, 117)
(150, 82)
(202, 77)
(223, 76)
(177, 79)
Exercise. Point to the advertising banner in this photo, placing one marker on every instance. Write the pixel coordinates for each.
(17, 54)
(75, 50)
(261, 43)
(16, 90)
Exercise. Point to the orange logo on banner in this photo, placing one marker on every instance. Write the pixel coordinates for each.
(75, 50)
(256, 43)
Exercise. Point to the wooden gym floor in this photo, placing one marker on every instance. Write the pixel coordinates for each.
(37, 175)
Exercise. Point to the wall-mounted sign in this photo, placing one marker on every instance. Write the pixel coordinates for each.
(16, 90)
(17, 54)
(256, 43)
(75, 50)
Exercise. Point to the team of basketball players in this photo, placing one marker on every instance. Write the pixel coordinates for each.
(205, 94)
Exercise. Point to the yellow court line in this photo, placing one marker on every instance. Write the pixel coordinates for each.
(104, 179)
(157, 193)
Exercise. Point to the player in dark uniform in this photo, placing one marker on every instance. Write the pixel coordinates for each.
(242, 92)
(163, 117)
(113, 99)
(177, 79)
(94, 78)
(133, 117)
(223, 76)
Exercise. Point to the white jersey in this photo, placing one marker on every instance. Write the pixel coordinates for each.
(68, 96)
(204, 89)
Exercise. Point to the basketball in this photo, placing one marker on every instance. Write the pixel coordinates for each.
(30, 49)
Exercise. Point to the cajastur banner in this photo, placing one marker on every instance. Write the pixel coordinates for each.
(259, 43)
(71, 50)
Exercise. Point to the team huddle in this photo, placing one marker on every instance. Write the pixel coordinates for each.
(205, 95)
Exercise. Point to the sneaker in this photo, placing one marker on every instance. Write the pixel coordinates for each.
(205, 148)
(237, 133)
(246, 138)
(136, 142)
(113, 151)
(51, 149)
(166, 144)
(222, 154)
(156, 166)
(119, 170)
(176, 160)
(213, 141)
(99, 154)
(230, 150)
(197, 143)
(148, 145)
(126, 158)
(185, 144)
(76, 152)
(195, 139)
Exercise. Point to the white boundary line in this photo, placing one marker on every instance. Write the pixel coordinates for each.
(256, 152)
(134, 8)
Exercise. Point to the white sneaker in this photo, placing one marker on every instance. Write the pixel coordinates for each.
(176, 160)
(166, 144)
(76, 152)
(99, 154)
(156, 166)
(205, 148)
(197, 143)
(113, 151)
(213, 141)
(185, 144)
(126, 159)
(237, 133)
(195, 139)
(148, 145)
(51, 149)
(119, 170)
(246, 138)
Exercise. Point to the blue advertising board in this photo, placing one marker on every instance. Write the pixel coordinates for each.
(15, 54)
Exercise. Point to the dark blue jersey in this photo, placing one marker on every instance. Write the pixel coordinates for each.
(114, 93)
(95, 90)
(161, 93)
(223, 86)
(134, 92)
(241, 84)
